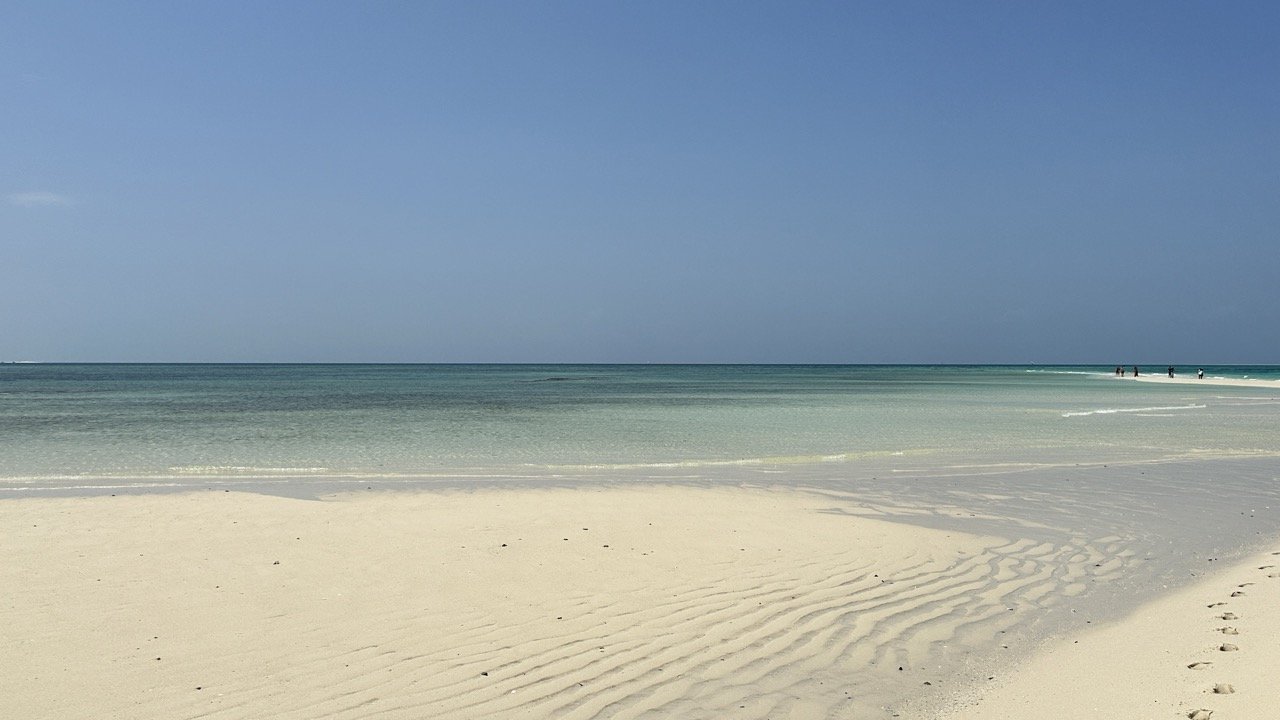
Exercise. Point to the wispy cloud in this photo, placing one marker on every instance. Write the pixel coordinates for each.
(38, 199)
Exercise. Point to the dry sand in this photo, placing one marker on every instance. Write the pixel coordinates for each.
(617, 602)
(1206, 651)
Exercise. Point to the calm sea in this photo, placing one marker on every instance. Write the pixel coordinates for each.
(87, 426)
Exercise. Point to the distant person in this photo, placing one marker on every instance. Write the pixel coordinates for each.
(1119, 371)
(1170, 371)
(1200, 374)
(1135, 371)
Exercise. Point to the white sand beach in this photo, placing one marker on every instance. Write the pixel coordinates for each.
(619, 602)
(529, 603)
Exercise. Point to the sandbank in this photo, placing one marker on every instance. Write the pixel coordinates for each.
(1191, 379)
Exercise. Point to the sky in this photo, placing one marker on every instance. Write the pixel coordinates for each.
(843, 182)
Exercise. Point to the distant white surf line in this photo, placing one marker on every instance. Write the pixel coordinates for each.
(1069, 372)
(1113, 411)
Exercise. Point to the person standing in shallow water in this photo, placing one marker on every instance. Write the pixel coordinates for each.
(1170, 371)
(1200, 374)
(1135, 371)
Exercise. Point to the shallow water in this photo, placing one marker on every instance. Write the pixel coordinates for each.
(157, 425)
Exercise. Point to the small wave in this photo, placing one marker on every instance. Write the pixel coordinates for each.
(738, 462)
(1113, 411)
(1068, 372)
(34, 489)
(245, 470)
(36, 484)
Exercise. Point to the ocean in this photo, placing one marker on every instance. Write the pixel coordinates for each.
(87, 427)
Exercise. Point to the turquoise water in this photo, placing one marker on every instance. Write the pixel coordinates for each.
(87, 425)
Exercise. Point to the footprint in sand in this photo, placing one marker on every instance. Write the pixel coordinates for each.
(1214, 605)
(1224, 688)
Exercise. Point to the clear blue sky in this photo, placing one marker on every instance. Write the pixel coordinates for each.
(640, 182)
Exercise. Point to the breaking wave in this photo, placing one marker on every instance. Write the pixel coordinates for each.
(1113, 411)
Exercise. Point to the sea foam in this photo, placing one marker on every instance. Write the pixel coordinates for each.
(1112, 411)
